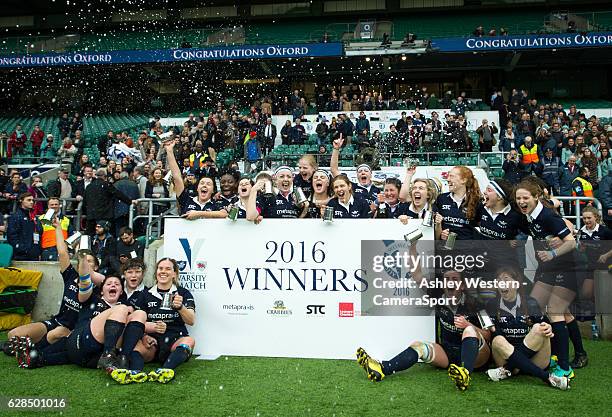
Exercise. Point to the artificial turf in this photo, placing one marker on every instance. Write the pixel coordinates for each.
(241, 386)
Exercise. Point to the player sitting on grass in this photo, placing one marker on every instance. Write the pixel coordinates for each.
(462, 343)
(521, 337)
(49, 331)
(168, 307)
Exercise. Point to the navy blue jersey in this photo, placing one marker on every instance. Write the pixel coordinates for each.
(542, 223)
(68, 314)
(595, 243)
(449, 334)
(393, 211)
(188, 203)
(150, 301)
(305, 185)
(358, 208)
(278, 207)
(413, 214)
(455, 219)
(514, 321)
(369, 194)
(500, 226)
(224, 202)
(91, 308)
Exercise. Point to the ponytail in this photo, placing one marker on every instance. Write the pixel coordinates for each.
(472, 192)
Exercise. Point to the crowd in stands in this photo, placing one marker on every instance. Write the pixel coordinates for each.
(566, 149)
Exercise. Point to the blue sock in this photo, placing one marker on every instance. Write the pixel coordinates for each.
(401, 362)
(180, 355)
(132, 334)
(469, 352)
(112, 332)
(519, 361)
(136, 361)
(561, 343)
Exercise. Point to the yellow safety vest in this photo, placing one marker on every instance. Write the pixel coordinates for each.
(587, 189)
(530, 156)
(47, 239)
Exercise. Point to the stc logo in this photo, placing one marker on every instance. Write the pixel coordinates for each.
(346, 310)
(315, 309)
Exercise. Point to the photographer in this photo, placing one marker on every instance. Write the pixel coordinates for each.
(513, 171)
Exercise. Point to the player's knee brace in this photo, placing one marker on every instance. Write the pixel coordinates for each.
(425, 351)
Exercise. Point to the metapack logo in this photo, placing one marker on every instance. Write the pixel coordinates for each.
(315, 309)
(346, 310)
(238, 309)
(279, 309)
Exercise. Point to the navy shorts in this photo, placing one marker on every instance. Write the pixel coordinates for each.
(558, 278)
(51, 324)
(83, 349)
(165, 342)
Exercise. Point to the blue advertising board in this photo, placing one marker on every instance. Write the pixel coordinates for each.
(173, 55)
(523, 42)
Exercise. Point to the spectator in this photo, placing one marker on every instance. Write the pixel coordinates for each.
(15, 187)
(581, 187)
(551, 169)
(459, 107)
(322, 131)
(486, 139)
(82, 184)
(122, 209)
(568, 150)
(67, 152)
(530, 155)
(363, 125)
(16, 143)
(36, 137)
(141, 180)
(605, 162)
(297, 134)
(605, 197)
(492, 32)
(507, 140)
(47, 152)
(99, 201)
(64, 126)
(269, 136)
(104, 247)
(39, 193)
(185, 44)
(589, 161)
(156, 187)
(196, 159)
(48, 241)
(78, 140)
(513, 171)
(21, 230)
(126, 248)
(62, 187)
(569, 173)
(252, 152)
(478, 32)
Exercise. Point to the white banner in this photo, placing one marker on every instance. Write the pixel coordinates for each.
(287, 288)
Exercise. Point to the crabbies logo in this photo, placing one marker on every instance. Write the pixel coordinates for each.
(192, 268)
(279, 309)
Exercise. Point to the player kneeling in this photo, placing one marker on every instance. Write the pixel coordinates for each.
(521, 338)
(463, 344)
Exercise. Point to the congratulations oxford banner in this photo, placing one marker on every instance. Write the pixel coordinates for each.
(174, 55)
(292, 288)
(524, 42)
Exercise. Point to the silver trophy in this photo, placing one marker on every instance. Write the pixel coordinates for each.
(328, 214)
(485, 321)
(299, 197)
(47, 219)
(167, 301)
(85, 246)
(268, 190)
(450, 241)
(168, 177)
(428, 219)
(413, 236)
(73, 240)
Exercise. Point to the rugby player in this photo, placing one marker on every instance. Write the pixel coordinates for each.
(344, 203)
(521, 335)
(462, 345)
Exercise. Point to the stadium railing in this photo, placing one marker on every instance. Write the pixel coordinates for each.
(145, 207)
(577, 203)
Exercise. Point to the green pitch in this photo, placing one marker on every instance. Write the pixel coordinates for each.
(238, 386)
